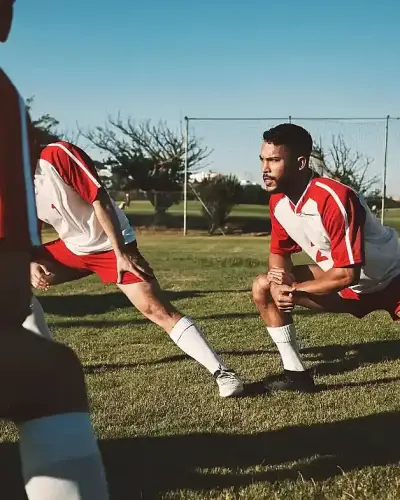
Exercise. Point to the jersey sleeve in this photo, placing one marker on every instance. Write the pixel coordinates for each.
(75, 168)
(281, 242)
(343, 218)
(18, 220)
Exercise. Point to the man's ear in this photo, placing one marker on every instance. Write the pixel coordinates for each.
(302, 162)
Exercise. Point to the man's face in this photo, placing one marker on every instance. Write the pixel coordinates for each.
(6, 15)
(279, 167)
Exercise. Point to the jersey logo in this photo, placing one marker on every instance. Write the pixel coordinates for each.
(319, 257)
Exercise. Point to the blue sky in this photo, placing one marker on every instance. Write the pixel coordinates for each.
(163, 60)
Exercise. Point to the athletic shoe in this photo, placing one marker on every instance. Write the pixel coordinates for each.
(228, 382)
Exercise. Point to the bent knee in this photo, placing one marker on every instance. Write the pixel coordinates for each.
(68, 371)
(60, 385)
(261, 286)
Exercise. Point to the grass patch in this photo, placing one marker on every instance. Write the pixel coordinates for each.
(163, 429)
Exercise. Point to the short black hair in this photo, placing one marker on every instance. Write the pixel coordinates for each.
(294, 137)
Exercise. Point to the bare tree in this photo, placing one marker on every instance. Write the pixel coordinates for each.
(149, 157)
(342, 163)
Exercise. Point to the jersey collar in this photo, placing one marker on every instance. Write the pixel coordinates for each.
(300, 201)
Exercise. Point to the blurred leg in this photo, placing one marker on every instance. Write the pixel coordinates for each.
(42, 389)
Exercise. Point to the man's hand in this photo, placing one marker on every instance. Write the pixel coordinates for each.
(135, 264)
(279, 276)
(38, 276)
(283, 296)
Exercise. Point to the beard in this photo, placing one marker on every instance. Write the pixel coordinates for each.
(281, 185)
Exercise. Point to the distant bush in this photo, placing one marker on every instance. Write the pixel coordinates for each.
(219, 194)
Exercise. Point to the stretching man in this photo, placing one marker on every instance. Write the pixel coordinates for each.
(95, 237)
(357, 260)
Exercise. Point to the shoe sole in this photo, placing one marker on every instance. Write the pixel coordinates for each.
(237, 392)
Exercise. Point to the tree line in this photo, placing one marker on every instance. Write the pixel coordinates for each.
(151, 158)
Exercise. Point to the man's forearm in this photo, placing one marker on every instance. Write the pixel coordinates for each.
(332, 281)
(108, 219)
(280, 262)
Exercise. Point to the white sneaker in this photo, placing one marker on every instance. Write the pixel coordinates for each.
(228, 382)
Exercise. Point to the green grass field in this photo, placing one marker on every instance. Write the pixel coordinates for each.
(194, 208)
(392, 216)
(164, 431)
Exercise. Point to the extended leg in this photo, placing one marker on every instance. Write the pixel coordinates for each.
(150, 300)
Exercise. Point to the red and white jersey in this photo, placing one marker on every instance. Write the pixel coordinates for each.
(66, 185)
(334, 226)
(18, 221)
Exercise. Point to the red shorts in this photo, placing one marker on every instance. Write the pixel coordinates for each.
(362, 304)
(103, 264)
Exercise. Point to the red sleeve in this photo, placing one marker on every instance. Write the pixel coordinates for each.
(75, 168)
(18, 220)
(281, 242)
(343, 217)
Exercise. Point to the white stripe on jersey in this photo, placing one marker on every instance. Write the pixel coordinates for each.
(78, 162)
(346, 220)
(29, 189)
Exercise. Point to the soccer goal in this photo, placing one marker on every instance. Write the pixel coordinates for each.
(364, 151)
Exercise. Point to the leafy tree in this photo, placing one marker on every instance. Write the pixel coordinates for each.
(46, 128)
(254, 194)
(148, 157)
(219, 194)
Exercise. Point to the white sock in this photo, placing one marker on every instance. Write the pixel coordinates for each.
(36, 322)
(285, 340)
(61, 460)
(188, 337)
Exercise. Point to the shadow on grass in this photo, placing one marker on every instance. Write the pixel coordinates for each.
(110, 367)
(335, 358)
(163, 464)
(338, 358)
(90, 304)
(147, 467)
(101, 323)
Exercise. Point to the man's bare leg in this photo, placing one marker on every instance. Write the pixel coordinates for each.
(281, 327)
(150, 300)
(42, 390)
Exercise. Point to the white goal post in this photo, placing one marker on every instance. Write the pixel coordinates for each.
(379, 130)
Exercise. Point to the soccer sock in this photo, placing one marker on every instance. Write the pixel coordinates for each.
(285, 340)
(61, 459)
(188, 337)
(36, 322)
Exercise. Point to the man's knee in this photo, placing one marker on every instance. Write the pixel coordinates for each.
(69, 375)
(60, 386)
(261, 287)
(44, 378)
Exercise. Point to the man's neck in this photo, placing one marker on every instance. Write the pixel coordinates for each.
(296, 190)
